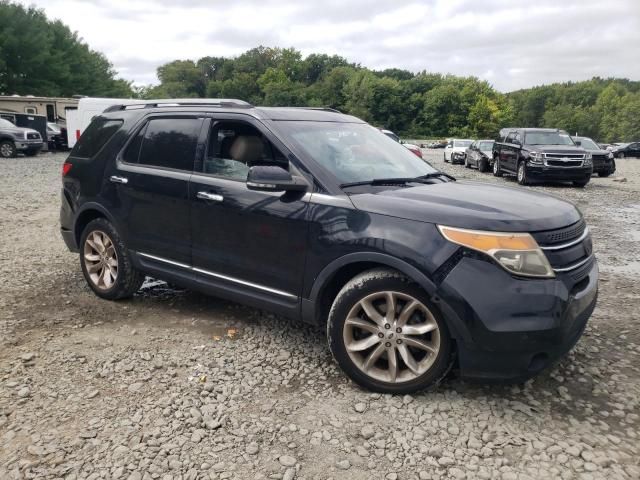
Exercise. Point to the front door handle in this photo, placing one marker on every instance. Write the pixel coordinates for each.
(210, 196)
(116, 179)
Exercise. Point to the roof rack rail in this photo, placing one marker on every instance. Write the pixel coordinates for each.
(180, 102)
(326, 109)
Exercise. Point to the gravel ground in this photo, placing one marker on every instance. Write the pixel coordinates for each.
(175, 385)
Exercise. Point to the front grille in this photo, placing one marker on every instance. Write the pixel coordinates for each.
(562, 163)
(571, 156)
(33, 136)
(566, 248)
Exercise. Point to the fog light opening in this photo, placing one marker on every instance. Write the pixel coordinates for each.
(538, 362)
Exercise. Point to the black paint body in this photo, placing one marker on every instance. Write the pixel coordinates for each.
(288, 252)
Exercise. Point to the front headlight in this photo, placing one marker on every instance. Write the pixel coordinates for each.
(610, 155)
(518, 253)
(588, 159)
(536, 157)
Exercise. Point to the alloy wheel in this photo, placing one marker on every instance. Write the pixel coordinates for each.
(391, 336)
(101, 259)
(6, 150)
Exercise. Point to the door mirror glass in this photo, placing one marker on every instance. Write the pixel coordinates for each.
(268, 178)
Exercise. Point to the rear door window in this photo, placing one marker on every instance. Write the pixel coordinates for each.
(168, 143)
(95, 137)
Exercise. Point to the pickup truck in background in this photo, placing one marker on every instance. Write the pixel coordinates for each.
(541, 155)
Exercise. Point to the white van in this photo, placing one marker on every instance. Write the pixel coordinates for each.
(88, 108)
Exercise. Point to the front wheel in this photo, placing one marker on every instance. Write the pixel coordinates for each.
(386, 335)
(106, 263)
(7, 149)
(522, 174)
(483, 165)
(621, 155)
(497, 171)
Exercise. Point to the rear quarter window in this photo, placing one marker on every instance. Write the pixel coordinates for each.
(95, 137)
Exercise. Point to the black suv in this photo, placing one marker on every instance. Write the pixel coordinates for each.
(316, 215)
(541, 154)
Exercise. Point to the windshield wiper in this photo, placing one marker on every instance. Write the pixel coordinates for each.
(398, 181)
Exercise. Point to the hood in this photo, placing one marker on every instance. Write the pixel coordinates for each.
(472, 205)
(20, 130)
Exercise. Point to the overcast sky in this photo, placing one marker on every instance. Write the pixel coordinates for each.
(511, 43)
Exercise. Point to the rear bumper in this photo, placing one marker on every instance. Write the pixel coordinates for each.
(511, 329)
(559, 174)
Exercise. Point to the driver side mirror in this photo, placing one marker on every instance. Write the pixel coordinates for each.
(267, 178)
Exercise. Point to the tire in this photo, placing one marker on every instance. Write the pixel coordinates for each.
(581, 184)
(621, 155)
(522, 174)
(497, 171)
(7, 149)
(483, 165)
(466, 162)
(374, 288)
(124, 279)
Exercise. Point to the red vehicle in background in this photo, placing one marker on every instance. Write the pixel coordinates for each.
(413, 148)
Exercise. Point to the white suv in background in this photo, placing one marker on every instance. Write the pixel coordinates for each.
(454, 152)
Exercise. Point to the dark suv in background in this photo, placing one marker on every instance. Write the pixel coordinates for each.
(318, 216)
(541, 155)
(604, 163)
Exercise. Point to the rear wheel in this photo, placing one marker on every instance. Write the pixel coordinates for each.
(7, 149)
(386, 335)
(497, 171)
(106, 263)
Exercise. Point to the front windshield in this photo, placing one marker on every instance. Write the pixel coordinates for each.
(547, 138)
(6, 123)
(589, 144)
(354, 152)
(485, 146)
(462, 143)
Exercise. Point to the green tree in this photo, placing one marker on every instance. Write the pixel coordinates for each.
(43, 57)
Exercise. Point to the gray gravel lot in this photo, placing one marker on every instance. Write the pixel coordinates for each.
(175, 385)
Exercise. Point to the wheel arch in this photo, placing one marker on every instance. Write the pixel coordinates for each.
(89, 212)
(334, 276)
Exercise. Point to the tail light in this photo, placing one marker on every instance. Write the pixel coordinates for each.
(77, 134)
(65, 168)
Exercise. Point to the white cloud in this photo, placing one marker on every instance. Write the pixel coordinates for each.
(512, 44)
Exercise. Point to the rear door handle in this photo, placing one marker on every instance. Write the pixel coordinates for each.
(116, 179)
(210, 196)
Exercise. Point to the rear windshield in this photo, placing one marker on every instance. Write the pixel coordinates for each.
(95, 136)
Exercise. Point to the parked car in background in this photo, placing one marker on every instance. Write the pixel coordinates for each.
(438, 144)
(415, 149)
(604, 163)
(455, 150)
(479, 155)
(627, 150)
(18, 139)
(541, 154)
(56, 136)
(314, 215)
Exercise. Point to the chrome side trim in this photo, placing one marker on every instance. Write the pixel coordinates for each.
(574, 266)
(322, 199)
(243, 282)
(164, 260)
(569, 244)
(217, 275)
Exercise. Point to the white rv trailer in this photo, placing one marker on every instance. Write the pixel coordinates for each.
(89, 107)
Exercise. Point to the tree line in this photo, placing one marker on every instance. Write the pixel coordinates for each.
(42, 57)
(45, 58)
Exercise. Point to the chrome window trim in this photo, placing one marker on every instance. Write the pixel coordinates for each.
(573, 242)
(218, 275)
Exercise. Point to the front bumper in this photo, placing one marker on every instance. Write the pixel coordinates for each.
(560, 174)
(508, 328)
(28, 145)
(604, 166)
(457, 157)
